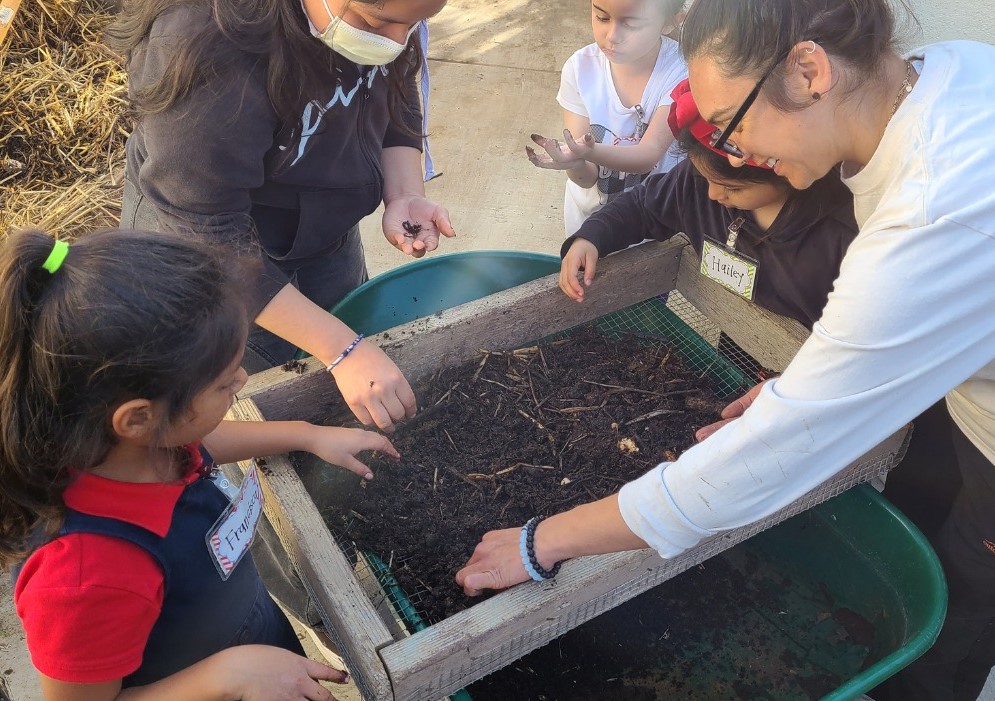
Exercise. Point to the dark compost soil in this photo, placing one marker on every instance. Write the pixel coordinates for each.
(516, 434)
(541, 429)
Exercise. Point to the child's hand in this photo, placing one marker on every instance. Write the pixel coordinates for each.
(339, 446)
(560, 156)
(264, 673)
(582, 255)
(412, 224)
(374, 388)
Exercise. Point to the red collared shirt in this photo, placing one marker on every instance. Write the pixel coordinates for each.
(88, 602)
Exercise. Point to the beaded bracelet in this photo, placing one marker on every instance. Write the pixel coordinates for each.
(347, 351)
(526, 546)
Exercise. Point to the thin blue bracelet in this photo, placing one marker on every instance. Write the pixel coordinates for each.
(523, 549)
(347, 351)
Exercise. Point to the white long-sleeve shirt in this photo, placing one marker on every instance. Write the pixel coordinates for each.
(911, 318)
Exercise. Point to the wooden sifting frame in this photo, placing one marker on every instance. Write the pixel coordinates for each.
(459, 650)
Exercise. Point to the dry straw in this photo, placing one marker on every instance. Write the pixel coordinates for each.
(63, 119)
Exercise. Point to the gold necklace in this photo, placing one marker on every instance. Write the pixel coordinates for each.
(905, 89)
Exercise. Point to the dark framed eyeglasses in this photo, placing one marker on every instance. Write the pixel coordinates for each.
(720, 137)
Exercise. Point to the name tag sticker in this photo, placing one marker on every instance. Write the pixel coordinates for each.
(731, 270)
(231, 535)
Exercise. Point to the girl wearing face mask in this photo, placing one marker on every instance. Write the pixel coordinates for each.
(288, 121)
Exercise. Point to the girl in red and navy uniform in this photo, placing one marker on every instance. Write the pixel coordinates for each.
(133, 578)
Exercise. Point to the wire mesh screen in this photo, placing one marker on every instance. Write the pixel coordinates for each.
(694, 336)
(671, 319)
(703, 346)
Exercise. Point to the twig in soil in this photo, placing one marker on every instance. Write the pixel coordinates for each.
(495, 382)
(652, 415)
(451, 441)
(463, 477)
(527, 416)
(574, 440)
(483, 362)
(435, 479)
(665, 359)
(579, 409)
(532, 389)
(357, 515)
(445, 396)
(704, 372)
(642, 391)
(522, 464)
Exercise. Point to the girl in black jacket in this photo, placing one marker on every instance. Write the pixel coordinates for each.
(286, 121)
(796, 239)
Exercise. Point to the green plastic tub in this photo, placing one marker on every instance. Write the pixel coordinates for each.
(431, 285)
(855, 550)
(825, 605)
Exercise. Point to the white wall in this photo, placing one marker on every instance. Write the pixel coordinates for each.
(946, 19)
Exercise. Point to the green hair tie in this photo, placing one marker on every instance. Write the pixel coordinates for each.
(54, 261)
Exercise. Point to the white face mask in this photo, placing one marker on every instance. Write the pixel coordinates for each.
(364, 48)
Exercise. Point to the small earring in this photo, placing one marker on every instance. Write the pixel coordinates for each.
(812, 49)
(816, 96)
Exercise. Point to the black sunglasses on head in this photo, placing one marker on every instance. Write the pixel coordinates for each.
(720, 137)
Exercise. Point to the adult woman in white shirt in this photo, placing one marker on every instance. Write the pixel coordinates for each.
(806, 85)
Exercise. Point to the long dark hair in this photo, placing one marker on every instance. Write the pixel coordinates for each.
(276, 31)
(127, 315)
(745, 37)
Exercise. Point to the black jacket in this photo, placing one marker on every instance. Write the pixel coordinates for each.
(797, 262)
(221, 162)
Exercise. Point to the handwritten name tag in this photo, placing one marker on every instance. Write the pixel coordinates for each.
(231, 535)
(730, 270)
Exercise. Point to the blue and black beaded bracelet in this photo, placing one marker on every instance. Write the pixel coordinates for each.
(526, 545)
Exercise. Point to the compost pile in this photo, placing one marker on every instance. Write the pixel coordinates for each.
(516, 434)
(63, 119)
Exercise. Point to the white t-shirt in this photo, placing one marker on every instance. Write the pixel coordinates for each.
(910, 319)
(587, 89)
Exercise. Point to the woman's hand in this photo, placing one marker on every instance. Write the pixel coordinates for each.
(496, 563)
(582, 255)
(413, 223)
(731, 412)
(373, 387)
(567, 155)
(264, 673)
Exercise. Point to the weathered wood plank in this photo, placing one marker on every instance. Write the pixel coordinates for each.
(351, 618)
(501, 321)
(770, 338)
(467, 646)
